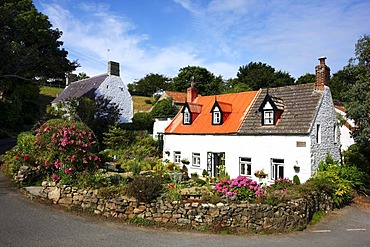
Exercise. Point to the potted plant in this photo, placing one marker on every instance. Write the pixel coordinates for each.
(260, 174)
(296, 168)
(185, 161)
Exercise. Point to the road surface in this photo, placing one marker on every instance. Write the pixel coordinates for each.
(24, 222)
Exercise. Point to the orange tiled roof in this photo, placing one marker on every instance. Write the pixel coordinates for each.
(177, 97)
(238, 103)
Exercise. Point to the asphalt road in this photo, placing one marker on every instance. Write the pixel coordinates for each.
(24, 222)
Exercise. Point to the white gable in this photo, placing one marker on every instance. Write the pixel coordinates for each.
(116, 90)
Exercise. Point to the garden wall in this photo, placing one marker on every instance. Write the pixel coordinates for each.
(293, 215)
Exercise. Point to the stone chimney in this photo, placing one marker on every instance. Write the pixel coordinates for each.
(322, 75)
(191, 92)
(113, 68)
(70, 78)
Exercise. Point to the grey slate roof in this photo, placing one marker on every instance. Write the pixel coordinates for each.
(86, 88)
(300, 105)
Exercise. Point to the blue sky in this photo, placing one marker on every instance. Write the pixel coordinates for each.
(162, 36)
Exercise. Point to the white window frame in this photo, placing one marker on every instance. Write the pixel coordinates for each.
(276, 165)
(268, 117)
(196, 159)
(216, 117)
(186, 116)
(245, 166)
(177, 157)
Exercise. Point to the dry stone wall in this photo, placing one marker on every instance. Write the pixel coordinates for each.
(293, 215)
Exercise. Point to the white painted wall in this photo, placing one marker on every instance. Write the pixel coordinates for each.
(116, 90)
(345, 134)
(160, 125)
(261, 149)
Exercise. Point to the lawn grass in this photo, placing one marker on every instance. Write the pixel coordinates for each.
(47, 94)
(139, 103)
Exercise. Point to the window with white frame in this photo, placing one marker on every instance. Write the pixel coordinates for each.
(196, 159)
(216, 117)
(245, 166)
(177, 157)
(186, 116)
(277, 169)
(318, 134)
(268, 117)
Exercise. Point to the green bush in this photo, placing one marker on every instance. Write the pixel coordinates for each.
(144, 189)
(25, 143)
(198, 181)
(296, 180)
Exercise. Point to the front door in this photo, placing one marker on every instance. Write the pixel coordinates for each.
(215, 162)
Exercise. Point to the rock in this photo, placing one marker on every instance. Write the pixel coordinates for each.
(65, 201)
(54, 194)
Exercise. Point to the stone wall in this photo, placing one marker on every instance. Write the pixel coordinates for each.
(293, 215)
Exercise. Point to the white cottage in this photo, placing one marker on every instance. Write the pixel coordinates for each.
(109, 85)
(285, 131)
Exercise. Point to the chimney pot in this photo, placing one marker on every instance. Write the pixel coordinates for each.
(70, 78)
(322, 60)
(113, 68)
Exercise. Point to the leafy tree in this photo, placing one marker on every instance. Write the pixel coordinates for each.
(260, 75)
(30, 48)
(143, 121)
(358, 94)
(340, 82)
(206, 82)
(30, 52)
(117, 138)
(149, 85)
(234, 86)
(82, 75)
(307, 78)
(164, 108)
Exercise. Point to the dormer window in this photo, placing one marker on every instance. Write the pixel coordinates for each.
(220, 111)
(190, 112)
(271, 110)
(186, 116)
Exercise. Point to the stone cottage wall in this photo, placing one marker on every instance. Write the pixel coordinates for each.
(326, 118)
(250, 216)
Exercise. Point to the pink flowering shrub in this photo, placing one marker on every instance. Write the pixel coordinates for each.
(64, 148)
(239, 189)
(282, 184)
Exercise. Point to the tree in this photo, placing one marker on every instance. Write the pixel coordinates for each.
(149, 85)
(260, 75)
(341, 81)
(358, 94)
(163, 108)
(30, 47)
(82, 75)
(206, 82)
(30, 52)
(307, 78)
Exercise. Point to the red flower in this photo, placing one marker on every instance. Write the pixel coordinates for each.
(25, 158)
